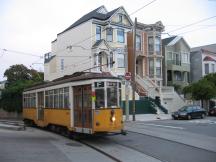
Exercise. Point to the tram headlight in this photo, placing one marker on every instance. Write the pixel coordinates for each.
(113, 118)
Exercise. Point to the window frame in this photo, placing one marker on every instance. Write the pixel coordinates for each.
(206, 69)
(120, 36)
(138, 43)
(98, 33)
(108, 35)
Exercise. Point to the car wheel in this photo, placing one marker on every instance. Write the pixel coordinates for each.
(189, 117)
(203, 116)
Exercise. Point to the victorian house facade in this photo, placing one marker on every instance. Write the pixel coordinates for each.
(176, 64)
(203, 61)
(96, 42)
(101, 41)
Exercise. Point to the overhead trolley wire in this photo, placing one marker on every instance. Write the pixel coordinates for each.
(197, 22)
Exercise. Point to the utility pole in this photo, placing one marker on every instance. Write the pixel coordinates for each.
(127, 92)
(134, 70)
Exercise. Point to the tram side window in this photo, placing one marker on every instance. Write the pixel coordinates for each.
(46, 99)
(61, 98)
(66, 97)
(112, 94)
(29, 100)
(57, 98)
(100, 100)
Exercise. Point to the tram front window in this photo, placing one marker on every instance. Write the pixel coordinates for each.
(100, 102)
(112, 98)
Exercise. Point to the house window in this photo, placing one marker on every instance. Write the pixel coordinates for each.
(169, 75)
(157, 45)
(169, 55)
(98, 33)
(150, 45)
(62, 64)
(178, 76)
(176, 58)
(120, 35)
(206, 68)
(111, 60)
(213, 68)
(121, 60)
(138, 42)
(151, 67)
(109, 32)
(185, 57)
(120, 18)
(158, 68)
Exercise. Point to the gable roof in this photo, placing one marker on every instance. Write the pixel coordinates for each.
(95, 14)
(208, 58)
(173, 40)
(210, 48)
(166, 41)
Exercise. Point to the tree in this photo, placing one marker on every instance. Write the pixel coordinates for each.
(17, 72)
(202, 90)
(211, 78)
(19, 77)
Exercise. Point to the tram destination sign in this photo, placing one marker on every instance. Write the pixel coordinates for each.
(99, 84)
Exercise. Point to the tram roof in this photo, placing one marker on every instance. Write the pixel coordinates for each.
(78, 76)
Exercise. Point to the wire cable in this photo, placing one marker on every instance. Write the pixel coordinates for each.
(142, 7)
(21, 53)
(197, 22)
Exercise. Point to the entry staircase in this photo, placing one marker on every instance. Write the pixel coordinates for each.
(170, 100)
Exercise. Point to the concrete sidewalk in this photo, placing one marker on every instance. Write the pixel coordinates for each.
(12, 125)
(149, 117)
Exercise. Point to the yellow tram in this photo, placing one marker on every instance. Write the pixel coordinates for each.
(83, 102)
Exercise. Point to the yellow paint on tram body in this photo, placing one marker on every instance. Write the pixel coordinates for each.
(57, 116)
(29, 113)
(103, 123)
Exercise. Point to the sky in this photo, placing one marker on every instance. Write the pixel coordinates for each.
(27, 27)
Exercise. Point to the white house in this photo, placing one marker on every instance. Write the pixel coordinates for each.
(95, 42)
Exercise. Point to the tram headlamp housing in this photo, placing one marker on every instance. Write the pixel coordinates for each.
(112, 118)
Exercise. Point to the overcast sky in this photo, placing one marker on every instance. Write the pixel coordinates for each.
(29, 26)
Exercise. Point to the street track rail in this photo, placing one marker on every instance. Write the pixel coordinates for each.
(99, 150)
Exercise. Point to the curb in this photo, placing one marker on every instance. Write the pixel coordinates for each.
(12, 127)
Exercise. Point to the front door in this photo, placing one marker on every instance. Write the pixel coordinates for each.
(40, 105)
(82, 108)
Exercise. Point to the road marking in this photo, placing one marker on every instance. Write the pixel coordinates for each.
(165, 126)
(203, 121)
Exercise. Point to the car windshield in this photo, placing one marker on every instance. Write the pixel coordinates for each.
(183, 108)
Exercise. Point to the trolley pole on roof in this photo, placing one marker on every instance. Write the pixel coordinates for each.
(134, 70)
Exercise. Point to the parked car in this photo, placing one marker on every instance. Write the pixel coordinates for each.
(189, 112)
(212, 111)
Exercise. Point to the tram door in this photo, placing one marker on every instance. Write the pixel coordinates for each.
(82, 108)
(40, 104)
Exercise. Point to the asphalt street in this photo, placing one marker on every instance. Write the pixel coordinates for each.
(161, 140)
(173, 140)
(205, 126)
(35, 145)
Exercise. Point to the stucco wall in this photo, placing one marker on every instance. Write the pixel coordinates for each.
(196, 66)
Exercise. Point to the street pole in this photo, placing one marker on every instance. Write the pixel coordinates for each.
(134, 70)
(126, 90)
(127, 100)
